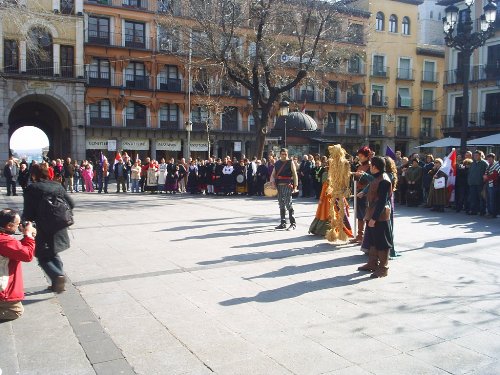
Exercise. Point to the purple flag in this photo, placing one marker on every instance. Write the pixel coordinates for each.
(390, 153)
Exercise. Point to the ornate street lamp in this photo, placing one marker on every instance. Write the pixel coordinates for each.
(283, 111)
(464, 40)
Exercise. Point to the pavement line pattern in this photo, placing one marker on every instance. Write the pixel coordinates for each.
(103, 354)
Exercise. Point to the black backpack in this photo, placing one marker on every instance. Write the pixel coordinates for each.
(54, 214)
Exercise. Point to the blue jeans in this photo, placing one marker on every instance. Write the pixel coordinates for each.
(492, 204)
(135, 186)
(476, 202)
(76, 182)
(102, 182)
(52, 266)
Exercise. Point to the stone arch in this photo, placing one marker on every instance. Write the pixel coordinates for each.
(47, 113)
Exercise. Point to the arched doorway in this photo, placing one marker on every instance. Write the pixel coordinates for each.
(29, 143)
(49, 115)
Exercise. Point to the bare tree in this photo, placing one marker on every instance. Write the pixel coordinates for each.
(267, 46)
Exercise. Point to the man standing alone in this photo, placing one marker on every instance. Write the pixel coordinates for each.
(286, 180)
(10, 173)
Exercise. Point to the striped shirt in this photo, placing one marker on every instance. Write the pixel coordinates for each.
(492, 173)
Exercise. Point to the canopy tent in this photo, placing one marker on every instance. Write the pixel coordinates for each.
(490, 140)
(443, 142)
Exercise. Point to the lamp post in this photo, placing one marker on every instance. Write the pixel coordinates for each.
(189, 128)
(466, 41)
(283, 111)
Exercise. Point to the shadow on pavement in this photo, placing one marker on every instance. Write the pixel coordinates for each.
(300, 288)
(280, 254)
(445, 244)
(295, 270)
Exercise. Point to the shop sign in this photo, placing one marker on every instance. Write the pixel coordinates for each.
(135, 144)
(237, 146)
(111, 144)
(168, 145)
(198, 146)
(96, 144)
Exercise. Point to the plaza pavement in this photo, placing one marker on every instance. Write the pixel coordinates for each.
(203, 285)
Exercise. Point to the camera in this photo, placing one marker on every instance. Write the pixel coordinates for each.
(26, 222)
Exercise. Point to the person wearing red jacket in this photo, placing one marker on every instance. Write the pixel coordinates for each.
(12, 253)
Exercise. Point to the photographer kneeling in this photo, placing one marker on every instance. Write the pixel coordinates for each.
(12, 253)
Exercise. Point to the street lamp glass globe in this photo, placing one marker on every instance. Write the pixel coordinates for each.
(452, 15)
(446, 26)
(469, 3)
(490, 12)
(484, 24)
(284, 108)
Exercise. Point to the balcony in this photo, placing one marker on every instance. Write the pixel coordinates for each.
(200, 88)
(351, 131)
(404, 102)
(490, 119)
(44, 69)
(430, 76)
(229, 125)
(454, 76)
(455, 121)
(306, 95)
(97, 121)
(136, 5)
(101, 79)
(381, 102)
(169, 125)
(427, 133)
(136, 122)
(170, 84)
(428, 106)
(378, 71)
(485, 72)
(376, 131)
(230, 91)
(402, 132)
(330, 129)
(356, 69)
(138, 82)
(355, 99)
(405, 74)
(105, 38)
(199, 125)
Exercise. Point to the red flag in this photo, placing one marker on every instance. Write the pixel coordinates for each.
(117, 158)
(303, 109)
(450, 168)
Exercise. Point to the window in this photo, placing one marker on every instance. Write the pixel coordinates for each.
(169, 79)
(429, 73)
(404, 99)
(376, 125)
(252, 49)
(135, 114)
(331, 92)
(135, 35)
(307, 93)
(140, 4)
(67, 6)
(199, 40)
(352, 124)
(201, 81)
(199, 114)
(428, 99)
(169, 6)
(99, 72)
(406, 25)
(354, 95)
(393, 24)
(135, 76)
(402, 126)
(168, 39)
(67, 61)
(491, 114)
(10, 56)
(98, 30)
(354, 65)
(379, 69)
(39, 52)
(100, 113)
(169, 116)
(426, 130)
(331, 125)
(493, 62)
(230, 118)
(405, 71)
(378, 96)
(379, 21)
(355, 33)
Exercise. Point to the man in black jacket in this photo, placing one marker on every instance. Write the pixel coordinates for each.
(47, 245)
(10, 172)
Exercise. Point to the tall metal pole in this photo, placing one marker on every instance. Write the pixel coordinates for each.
(465, 100)
(188, 148)
(285, 130)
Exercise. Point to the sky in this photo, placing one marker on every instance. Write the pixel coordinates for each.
(28, 138)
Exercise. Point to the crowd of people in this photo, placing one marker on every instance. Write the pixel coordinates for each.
(422, 180)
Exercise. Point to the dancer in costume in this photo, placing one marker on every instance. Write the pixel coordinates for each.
(286, 180)
(364, 154)
(378, 215)
(339, 179)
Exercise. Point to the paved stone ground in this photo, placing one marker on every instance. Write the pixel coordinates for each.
(204, 285)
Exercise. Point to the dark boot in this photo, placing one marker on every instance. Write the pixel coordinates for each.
(372, 264)
(359, 237)
(283, 220)
(293, 225)
(383, 266)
